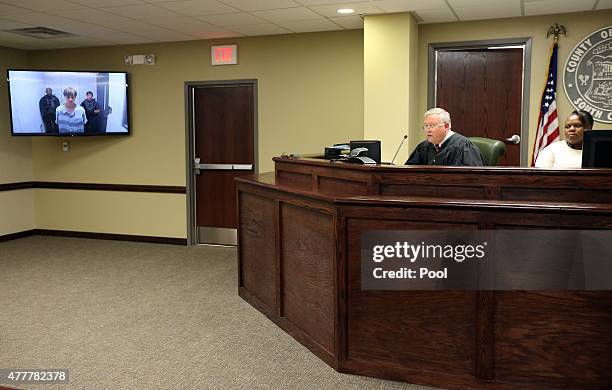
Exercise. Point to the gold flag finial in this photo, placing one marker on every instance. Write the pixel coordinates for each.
(555, 30)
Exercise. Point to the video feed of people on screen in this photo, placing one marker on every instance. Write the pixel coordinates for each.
(68, 103)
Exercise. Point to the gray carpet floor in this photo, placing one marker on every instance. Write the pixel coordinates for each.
(122, 315)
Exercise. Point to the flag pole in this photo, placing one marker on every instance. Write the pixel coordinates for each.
(548, 124)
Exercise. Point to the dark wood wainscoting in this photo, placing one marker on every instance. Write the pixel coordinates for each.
(94, 187)
(94, 235)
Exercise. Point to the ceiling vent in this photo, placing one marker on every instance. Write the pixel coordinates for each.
(40, 32)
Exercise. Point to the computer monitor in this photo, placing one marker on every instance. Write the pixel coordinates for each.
(597, 149)
(373, 147)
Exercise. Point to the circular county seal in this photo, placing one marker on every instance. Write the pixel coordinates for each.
(587, 75)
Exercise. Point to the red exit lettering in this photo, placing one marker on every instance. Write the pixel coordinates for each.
(223, 54)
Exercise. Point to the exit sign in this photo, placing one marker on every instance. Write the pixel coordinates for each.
(224, 55)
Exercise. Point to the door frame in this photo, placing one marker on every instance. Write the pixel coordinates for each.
(524, 43)
(190, 87)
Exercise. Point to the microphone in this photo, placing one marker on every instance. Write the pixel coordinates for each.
(400, 146)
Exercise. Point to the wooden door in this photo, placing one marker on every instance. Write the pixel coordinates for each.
(224, 146)
(482, 90)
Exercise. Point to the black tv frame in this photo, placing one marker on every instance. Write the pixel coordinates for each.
(127, 96)
(589, 147)
(373, 147)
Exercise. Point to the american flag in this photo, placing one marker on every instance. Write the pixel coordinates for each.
(548, 124)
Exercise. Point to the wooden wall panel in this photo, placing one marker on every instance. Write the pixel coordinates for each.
(554, 339)
(298, 181)
(457, 192)
(340, 187)
(556, 195)
(307, 269)
(403, 328)
(257, 248)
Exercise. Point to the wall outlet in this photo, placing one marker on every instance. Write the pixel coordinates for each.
(65, 146)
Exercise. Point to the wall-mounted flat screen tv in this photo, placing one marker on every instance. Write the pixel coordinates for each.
(68, 103)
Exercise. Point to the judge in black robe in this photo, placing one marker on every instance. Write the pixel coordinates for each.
(443, 146)
(457, 150)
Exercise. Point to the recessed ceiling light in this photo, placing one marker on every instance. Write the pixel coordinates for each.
(345, 11)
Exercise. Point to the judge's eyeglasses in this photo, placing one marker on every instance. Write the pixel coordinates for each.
(428, 127)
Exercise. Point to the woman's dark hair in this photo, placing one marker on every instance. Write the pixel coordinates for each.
(585, 117)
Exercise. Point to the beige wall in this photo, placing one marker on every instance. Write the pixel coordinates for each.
(111, 212)
(16, 207)
(310, 94)
(578, 25)
(390, 80)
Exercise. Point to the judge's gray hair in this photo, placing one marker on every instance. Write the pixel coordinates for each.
(443, 114)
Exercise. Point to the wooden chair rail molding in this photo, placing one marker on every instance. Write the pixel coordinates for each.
(299, 263)
(94, 187)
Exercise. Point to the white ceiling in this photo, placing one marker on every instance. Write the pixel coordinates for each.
(119, 22)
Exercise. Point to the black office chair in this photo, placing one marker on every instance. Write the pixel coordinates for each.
(491, 149)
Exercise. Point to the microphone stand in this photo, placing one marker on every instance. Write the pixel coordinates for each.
(398, 149)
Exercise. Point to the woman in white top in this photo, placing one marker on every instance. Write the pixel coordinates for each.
(567, 153)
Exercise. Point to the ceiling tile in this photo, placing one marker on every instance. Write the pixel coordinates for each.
(217, 34)
(44, 5)
(287, 15)
(236, 19)
(479, 3)
(487, 11)
(545, 7)
(116, 22)
(27, 43)
(42, 19)
(54, 44)
(302, 26)
(409, 5)
(198, 7)
(10, 25)
(154, 32)
(362, 8)
(604, 4)
(184, 24)
(436, 16)
(106, 34)
(324, 2)
(118, 37)
(142, 12)
(260, 29)
(181, 23)
(258, 5)
(349, 22)
(6, 9)
(99, 17)
(83, 41)
(81, 26)
(20, 41)
(107, 3)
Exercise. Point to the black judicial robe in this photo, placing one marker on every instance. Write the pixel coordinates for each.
(457, 150)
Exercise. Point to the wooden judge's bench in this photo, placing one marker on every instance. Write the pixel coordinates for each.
(299, 264)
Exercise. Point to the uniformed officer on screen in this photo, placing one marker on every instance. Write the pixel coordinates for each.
(92, 109)
(444, 146)
(47, 105)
